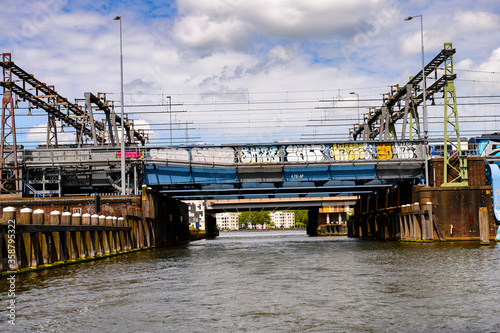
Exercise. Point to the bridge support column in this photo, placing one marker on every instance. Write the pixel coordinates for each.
(211, 226)
(312, 225)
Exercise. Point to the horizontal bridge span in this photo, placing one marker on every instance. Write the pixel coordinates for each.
(170, 175)
(225, 205)
(282, 170)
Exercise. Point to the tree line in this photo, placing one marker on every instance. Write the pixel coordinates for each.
(251, 219)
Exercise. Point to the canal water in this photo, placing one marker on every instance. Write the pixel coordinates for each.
(275, 281)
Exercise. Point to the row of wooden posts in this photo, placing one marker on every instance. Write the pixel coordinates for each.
(411, 222)
(407, 222)
(29, 241)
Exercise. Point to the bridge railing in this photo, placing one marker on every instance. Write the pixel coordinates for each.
(291, 153)
(81, 155)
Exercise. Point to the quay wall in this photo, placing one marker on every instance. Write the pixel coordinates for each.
(37, 234)
(455, 212)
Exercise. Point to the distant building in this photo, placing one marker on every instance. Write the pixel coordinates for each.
(196, 213)
(227, 221)
(282, 219)
(335, 214)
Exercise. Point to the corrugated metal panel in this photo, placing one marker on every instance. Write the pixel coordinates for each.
(352, 172)
(172, 174)
(166, 174)
(214, 175)
(306, 173)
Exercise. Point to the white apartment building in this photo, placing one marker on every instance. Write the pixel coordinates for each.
(227, 221)
(282, 219)
(196, 213)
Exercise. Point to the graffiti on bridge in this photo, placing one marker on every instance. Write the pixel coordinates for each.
(292, 153)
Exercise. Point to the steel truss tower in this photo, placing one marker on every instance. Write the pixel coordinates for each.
(10, 173)
(402, 103)
(454, 175)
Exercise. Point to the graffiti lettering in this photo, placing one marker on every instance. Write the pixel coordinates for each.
(405, 150)
(488, 148)
(384, 151)
(176, 154)
(213, 155)
(306, 153)
(131, 154)
(270, 154)
(350, 151)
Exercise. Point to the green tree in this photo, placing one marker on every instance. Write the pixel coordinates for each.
(244, 219)
(253, 218)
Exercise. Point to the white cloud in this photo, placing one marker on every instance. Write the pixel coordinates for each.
(244, 51)
(38, 134)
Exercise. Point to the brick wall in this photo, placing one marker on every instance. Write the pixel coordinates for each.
(476, 171)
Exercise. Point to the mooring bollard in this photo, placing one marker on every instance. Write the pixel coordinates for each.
(39, 216)
(86, 219)
(102, 220)
(9, 214)
(55, 217)
(76, 219)
(26, 216)
(66, 218)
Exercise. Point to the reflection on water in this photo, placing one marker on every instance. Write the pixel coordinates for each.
(277, 281)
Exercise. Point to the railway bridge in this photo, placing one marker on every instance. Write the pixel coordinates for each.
(393, 164)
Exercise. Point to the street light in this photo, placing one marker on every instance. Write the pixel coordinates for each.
(357, 95)
(424, 107)
(122, 162)
(426, 130)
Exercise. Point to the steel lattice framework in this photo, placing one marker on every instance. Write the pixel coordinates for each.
(88, 130)
(402, 102)
(10, 173)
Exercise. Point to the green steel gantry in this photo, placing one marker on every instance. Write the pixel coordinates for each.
(402, 103)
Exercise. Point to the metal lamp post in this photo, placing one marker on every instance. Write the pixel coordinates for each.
(122, 165)
(424, 107)
(357, 95)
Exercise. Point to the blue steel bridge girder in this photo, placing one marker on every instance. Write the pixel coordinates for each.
(344, 167)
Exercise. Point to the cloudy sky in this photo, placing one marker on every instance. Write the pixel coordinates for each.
(235, 71)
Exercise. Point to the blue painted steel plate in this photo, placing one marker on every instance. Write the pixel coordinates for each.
(494, 174)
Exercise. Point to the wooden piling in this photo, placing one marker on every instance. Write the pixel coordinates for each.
(484, 228)
(27, 249)
(426, 220)
(78, 238)
(55, 245)
(42, 248)
(417, 228)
